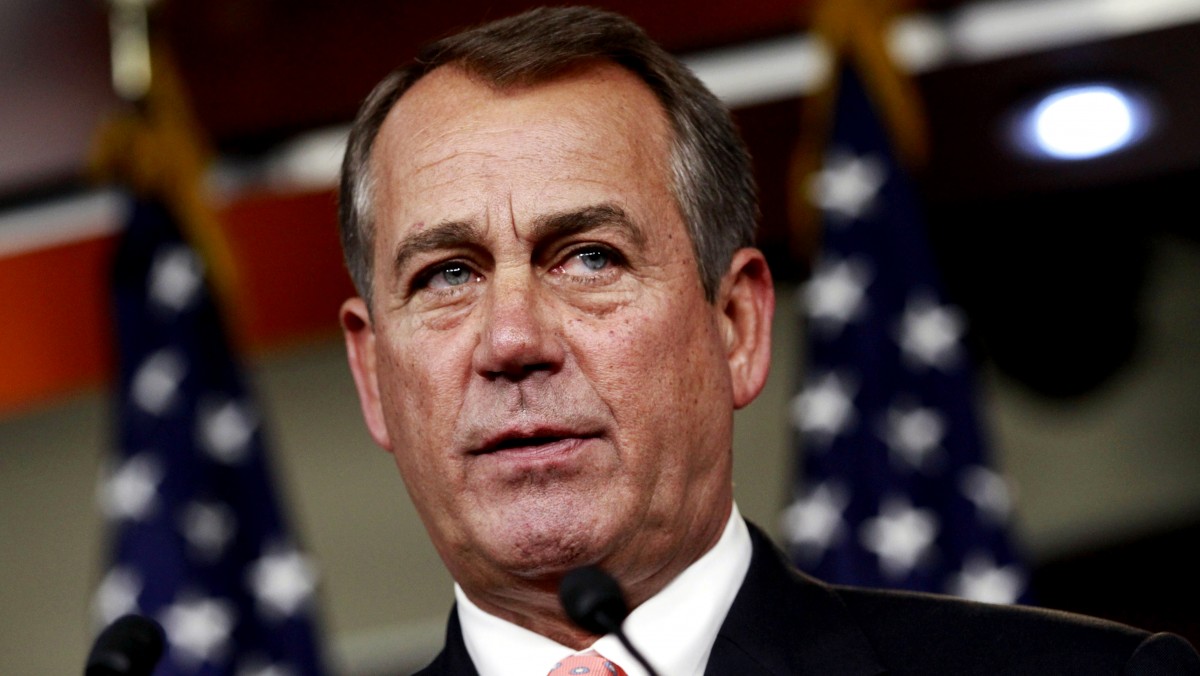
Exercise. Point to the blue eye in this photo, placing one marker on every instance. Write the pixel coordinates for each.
(447, 276)
(591, 263)
(594, 259)
(454, 275)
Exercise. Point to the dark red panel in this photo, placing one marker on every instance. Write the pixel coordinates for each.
(260, 67)
(289, 261)
(56, 336)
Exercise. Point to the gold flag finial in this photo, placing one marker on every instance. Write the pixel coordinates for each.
(129, 41)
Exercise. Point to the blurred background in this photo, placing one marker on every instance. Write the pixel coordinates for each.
(1078, 269)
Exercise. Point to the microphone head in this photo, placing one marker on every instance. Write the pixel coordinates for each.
(593, 600)
(130, 646)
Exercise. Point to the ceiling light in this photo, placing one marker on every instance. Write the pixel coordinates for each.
(1082, 122)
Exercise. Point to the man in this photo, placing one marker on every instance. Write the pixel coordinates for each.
(550, 223)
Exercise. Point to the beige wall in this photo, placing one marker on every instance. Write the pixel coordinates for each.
(1124, 459)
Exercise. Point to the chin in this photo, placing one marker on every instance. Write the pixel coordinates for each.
(540, 543)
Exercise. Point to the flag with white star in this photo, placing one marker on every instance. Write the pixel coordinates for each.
(199, 541)
(893, 488)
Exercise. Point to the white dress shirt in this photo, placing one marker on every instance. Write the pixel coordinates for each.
(675, 629)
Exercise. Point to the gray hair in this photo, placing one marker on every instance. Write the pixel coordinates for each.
(711, 177)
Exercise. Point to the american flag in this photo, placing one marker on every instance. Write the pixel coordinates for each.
(199, 541)
(893, 488)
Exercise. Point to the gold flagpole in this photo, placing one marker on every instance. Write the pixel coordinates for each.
(156, 149)
(854, 33)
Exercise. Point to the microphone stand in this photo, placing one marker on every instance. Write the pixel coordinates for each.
(593, 600)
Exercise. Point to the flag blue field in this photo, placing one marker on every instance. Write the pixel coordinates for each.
(894, 488)
(199, 540)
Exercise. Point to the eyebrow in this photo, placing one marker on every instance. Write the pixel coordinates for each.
(455, 234)
(565, 223)
(446, 235)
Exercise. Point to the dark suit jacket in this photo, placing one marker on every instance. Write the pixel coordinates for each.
(786, 623)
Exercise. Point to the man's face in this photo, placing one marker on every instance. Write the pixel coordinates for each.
(541, 359)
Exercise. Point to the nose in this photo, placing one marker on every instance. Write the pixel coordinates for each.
(520, 332)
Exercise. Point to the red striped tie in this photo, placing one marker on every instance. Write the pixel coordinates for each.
(590, 662)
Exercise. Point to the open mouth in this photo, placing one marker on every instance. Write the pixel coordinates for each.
(524, 442)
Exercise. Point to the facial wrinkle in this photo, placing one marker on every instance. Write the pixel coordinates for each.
(512, 218)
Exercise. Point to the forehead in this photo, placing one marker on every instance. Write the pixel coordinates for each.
(454, 140)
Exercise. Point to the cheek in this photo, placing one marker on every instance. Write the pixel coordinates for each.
(419, 389)
(655, 369)
(420, 412)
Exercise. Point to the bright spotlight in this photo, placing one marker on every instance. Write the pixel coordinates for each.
(1082, 122)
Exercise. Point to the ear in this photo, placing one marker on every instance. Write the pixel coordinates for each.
(359, 333)
(746, 304)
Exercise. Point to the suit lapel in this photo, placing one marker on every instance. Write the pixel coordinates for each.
(784, 622)
(454, 659)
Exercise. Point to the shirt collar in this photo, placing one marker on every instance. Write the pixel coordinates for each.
(675, 629)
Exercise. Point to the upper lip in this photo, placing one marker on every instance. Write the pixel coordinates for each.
(526, 436)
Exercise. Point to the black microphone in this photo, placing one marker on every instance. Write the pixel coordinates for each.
(593, 600)
(130, 646)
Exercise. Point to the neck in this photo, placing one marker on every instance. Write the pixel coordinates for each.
(533, 602)
(533, 605)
